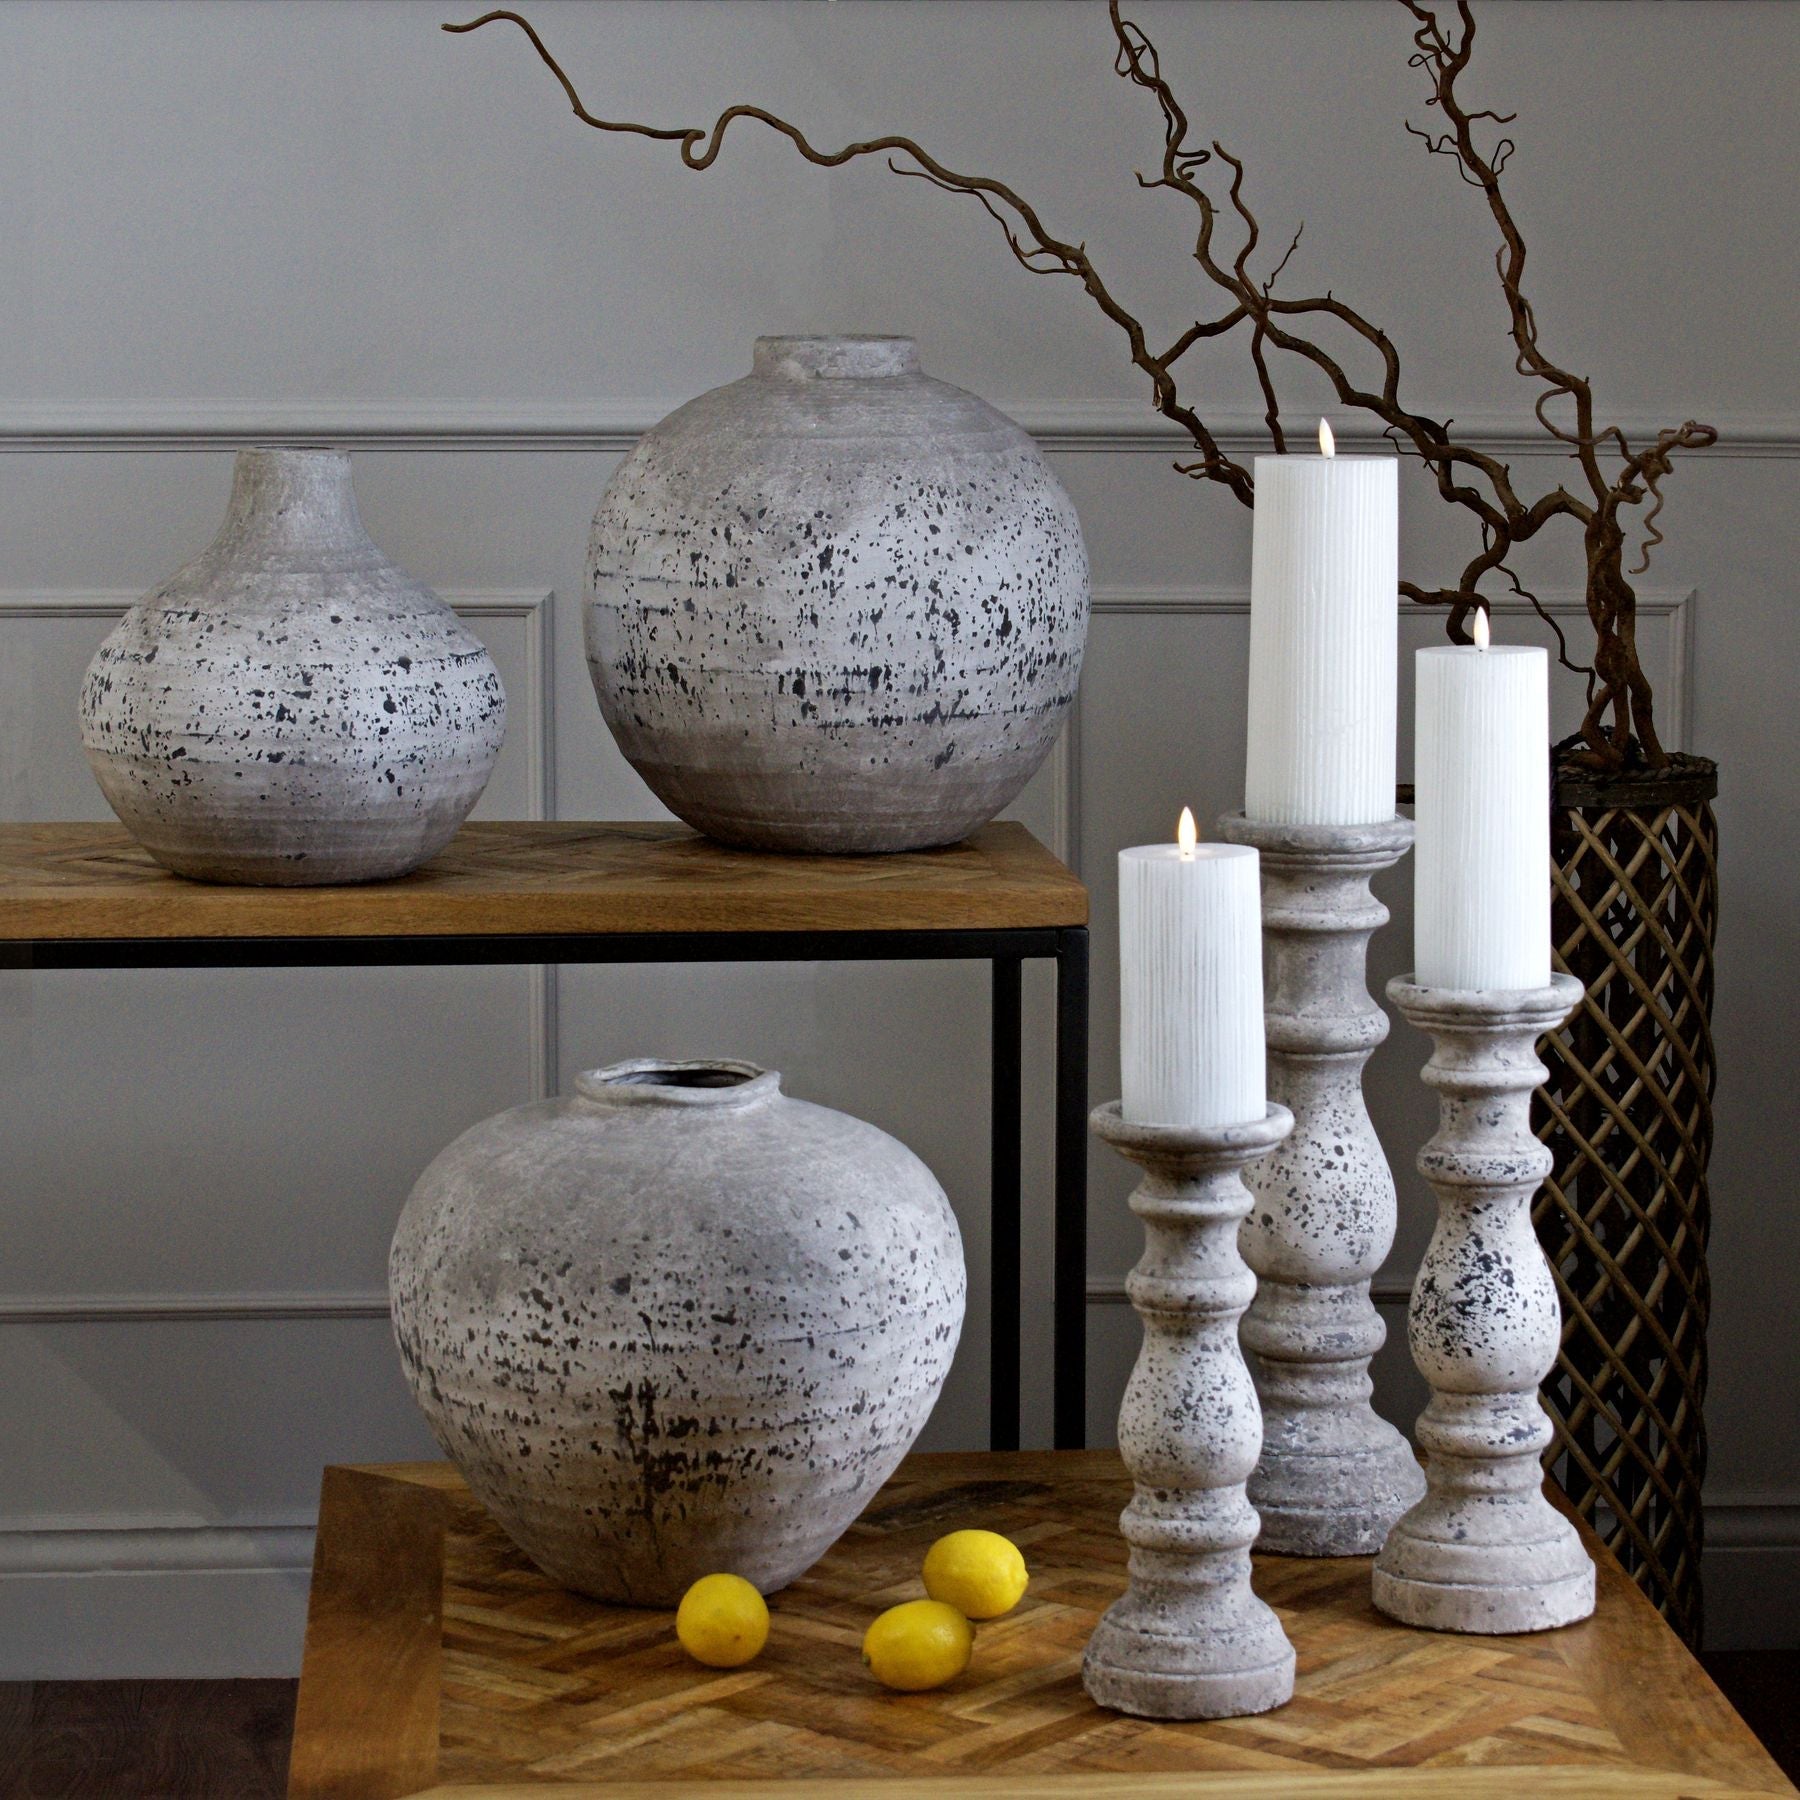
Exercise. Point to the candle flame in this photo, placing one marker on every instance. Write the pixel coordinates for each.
(1480, 632)
(1187, 833)
(1327, 443)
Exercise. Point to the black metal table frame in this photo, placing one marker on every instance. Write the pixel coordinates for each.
(1006, 948)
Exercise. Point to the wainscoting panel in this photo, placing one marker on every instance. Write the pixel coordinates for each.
(333, 223)
(275, 1118)
(161, 1481)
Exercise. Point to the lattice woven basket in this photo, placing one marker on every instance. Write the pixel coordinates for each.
(1627, 1113)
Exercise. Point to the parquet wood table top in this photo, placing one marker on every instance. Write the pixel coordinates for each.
(539, 878)
(439, 1662)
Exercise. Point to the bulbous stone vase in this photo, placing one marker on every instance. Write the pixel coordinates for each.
(837, 605)
(291, 709)
(676, 1324)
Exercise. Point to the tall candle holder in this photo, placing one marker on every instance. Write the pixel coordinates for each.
(1189, 1639)
(1333, 1475)
(1484, 1551)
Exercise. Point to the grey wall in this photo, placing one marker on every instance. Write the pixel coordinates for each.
(250, 221)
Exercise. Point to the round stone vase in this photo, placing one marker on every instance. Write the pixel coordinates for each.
(836, 606)
(291, 709)
(676, 1324)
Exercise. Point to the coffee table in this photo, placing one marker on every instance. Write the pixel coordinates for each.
(439, 1662)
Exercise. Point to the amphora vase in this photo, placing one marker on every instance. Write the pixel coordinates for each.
(290, 709)
(837, 605)
(676, 1324)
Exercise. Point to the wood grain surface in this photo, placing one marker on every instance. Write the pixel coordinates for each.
(366, 1723)
(1626, 1782)
(92, 882)
(536, 1689)
(145, 1739)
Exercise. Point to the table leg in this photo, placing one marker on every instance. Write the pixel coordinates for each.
(1070, 1306)
(1003, 1221)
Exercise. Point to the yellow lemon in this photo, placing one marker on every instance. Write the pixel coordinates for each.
(980, 1573)
(722, 1621)
(919, 1645)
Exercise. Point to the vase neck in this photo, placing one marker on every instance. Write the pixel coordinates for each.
(834, 358)
(649, 1081)
(293, 496)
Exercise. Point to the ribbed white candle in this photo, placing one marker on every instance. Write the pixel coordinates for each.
(1481, 856)
(1324, 631)
(1190, 985)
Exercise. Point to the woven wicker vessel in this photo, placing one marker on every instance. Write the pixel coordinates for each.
(1627, 1113)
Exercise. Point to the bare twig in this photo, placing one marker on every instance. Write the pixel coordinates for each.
(1031, 242)
(1619, 723)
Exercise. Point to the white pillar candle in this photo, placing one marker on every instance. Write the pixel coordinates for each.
(1190, 983)
(1324, 636)
(1481, 857)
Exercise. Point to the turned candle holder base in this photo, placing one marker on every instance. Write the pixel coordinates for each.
(1484, 1551)
(1189, 1639)
(1142, 1667)
(1334, 1475)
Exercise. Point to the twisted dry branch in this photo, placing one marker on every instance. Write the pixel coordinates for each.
(1619, 725)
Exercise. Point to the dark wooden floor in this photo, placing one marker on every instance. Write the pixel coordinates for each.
(145, 1740)
(1764, 1686)
(228, 1740)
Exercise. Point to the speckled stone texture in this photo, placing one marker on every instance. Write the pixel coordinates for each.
(291, 709)
(836, 606)
(1189, 1639)
(676, 1324)
(1333, 1476)
(1484, 1551)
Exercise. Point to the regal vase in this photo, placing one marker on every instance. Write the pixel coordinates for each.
(837, 605)
(676, 1323)
(291, 709)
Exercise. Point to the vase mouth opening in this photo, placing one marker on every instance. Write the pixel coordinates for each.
(841, 358)
(322, 450)
(652, 1081)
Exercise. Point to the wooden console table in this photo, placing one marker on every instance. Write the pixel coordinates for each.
(439, 1662)
(86, 897)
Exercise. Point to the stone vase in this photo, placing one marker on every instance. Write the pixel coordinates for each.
(290, 709)
(837, 605)
(676, 1324)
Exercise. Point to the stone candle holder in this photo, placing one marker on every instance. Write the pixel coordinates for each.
(1333, 1476)
(1189, 1639)
(1484, 1551)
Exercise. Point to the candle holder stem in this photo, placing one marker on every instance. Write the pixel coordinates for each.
(1484, 1551)
(1333, 1475)
(1189, 1639)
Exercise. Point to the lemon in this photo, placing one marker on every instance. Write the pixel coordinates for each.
(921, 1644)
(980, 1573)
(722, 1621)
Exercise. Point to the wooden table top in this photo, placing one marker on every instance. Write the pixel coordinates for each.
(92, 882)
(438, 1661)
